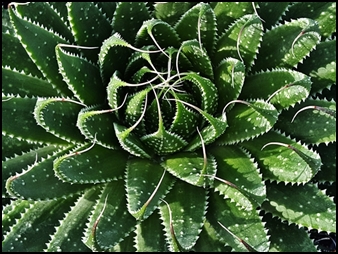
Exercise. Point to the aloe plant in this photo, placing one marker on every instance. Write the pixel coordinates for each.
(168, 127)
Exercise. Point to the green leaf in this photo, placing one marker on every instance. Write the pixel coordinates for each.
(282, 87)
(315, 124)
(38, 220)
(32, 183)
(128, 18)
(185, 120)
(207, 91)
(19, 162)
(18, 121)
(190, 167)
(170, 12)
(289, 203)
(130, 142)
(323, 12)
(71, 226)
(227, 12)
(272, 12)
(61, 9)
(296, 40)
(240, 41)
(146, 184)
(293, 163)
(149, 235)
(135, 108)
(201, 63)
(294, 238)
(89, 121)
(209, 240)
(24, 84)
(108, 8)
(328, 155)
(58, 116)
(183, 215)
(210, 132)
(321, 66)
(126, 245)
(81, 76)
(48, 16)
(12, 212)
(157, 32)
(113, 57)
(198, 23)
(14, 56)
(243, 224)
(229, 80)
(13, 145)
(248, 120)
(92, 29)
(245, 186)
(93, 166)
(109, 223)
(40, 44)
(163, 142)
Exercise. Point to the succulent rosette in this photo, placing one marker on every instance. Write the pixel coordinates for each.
(167, 127)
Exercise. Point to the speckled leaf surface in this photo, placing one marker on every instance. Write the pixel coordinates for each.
(159, 31)
(24, 84)
(31, 183)
(20, 60)
(323, 12)
(93, 21)
(302, 126)
(146, 183)
(78, 167)
(227, 12)
(209, 240)
(247, 120)
(182, 231)
(229, 80)
(292, 87)
(73, 224)
(149, 235)
(21, 123)
(128, 17)
(109, 222)
(280, 230)
(12, 212)
(321, 65)
(198, 57)
(297, 39)
(91, 119)
(11, 165)
(35, 221)
(41, 51)
(58, 116)
(295, 164)
(198, 23)
(235, 167)
(321, 215)
(71, 67)
(241, 40)
(150, 126)
(49, 16)
(238, 221)
(171, 11)
(191, 167)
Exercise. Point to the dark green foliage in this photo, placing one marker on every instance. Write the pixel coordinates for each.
(136, 126)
